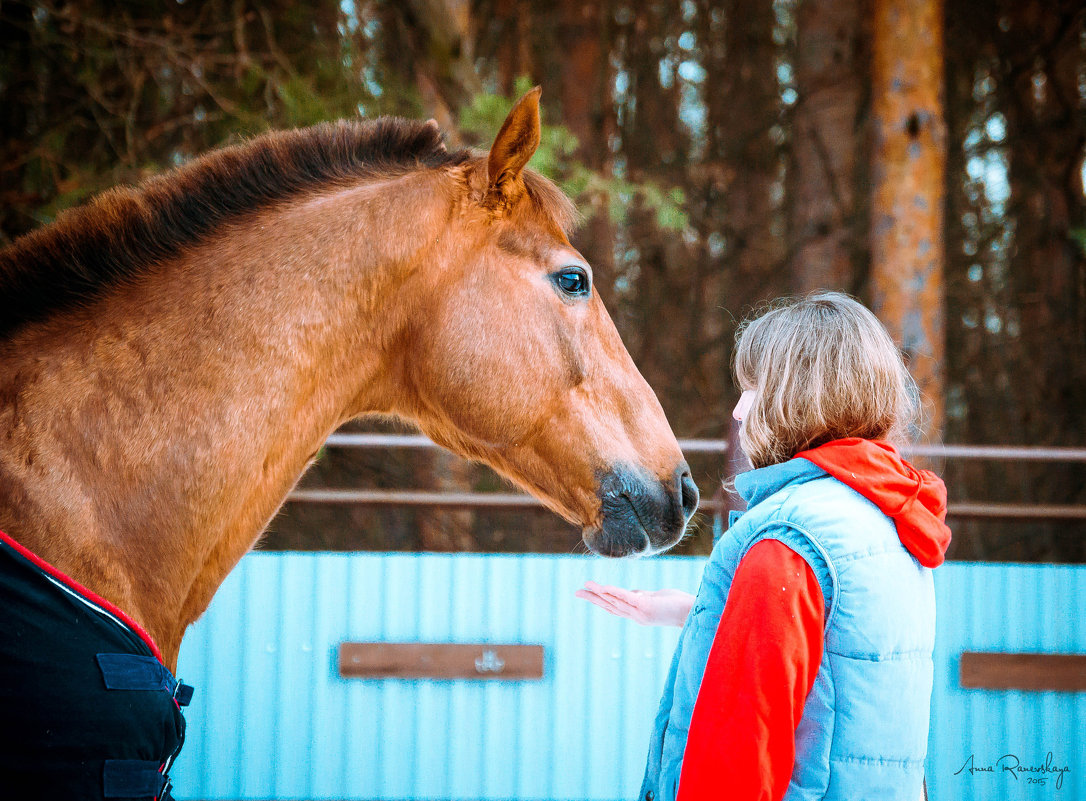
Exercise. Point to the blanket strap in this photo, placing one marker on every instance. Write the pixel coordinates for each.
(134, 672)
(134, 778)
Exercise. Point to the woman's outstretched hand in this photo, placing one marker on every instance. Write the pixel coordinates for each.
(649, 608)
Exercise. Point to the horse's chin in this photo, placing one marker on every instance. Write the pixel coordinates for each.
(620, 542)
(616, 547)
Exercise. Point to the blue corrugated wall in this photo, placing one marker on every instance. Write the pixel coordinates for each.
(1013, 608)
(271, 718)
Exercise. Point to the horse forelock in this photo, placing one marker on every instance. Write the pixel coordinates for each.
(552, 202)
(125, 232)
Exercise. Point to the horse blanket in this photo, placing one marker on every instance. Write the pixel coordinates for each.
(87, 709)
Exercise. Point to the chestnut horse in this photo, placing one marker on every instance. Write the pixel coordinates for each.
(172, 356)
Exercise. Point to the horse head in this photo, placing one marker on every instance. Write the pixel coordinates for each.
(513, 360)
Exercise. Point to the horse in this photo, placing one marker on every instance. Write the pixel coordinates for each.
(173, 355)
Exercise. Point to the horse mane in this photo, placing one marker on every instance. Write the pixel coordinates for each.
(124, 232)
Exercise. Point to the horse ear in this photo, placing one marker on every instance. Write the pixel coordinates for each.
(515, 143)
(432, 124)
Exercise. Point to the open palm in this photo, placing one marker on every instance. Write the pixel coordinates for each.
(647, 607)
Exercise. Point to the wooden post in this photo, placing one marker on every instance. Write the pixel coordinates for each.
(908, 190)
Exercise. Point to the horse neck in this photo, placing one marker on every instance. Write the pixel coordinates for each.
(220, 376)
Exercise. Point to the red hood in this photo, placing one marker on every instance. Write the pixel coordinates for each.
(915, 499)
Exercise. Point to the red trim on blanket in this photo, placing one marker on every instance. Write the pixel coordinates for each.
(88, 594)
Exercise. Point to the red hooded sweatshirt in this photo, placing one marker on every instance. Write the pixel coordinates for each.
(768, 645)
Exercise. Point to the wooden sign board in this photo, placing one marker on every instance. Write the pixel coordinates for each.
(413, 660)
(1000, 671)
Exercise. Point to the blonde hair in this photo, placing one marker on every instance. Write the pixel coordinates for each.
(822, 368)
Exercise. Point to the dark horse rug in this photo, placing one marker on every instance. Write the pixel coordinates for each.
(87, 709)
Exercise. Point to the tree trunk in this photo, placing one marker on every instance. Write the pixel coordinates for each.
(745, 153)
(1047, 135)
(442, 34)
(908, 190)
(588, 112)
(827, 202)
(749, 109)
(1046, 320)
(509, 38)
(654, 149)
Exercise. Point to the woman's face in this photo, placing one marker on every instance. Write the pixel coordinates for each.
(745, 402)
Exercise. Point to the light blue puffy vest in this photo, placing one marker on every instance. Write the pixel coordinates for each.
(864, 729)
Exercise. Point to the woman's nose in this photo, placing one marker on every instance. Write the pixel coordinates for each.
(744, 404)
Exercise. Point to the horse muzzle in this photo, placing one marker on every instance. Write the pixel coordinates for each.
(640, 514)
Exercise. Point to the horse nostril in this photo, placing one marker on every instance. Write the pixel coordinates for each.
(690, 494)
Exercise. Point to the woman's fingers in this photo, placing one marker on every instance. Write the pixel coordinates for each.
(595, 597)
(656, 608)
(618, 601)
(622, 603)
(603, 602)
(592, 586)
(629, 596)
(614, 595)
(634, 604)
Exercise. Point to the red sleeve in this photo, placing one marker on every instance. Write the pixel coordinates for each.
(762, 665)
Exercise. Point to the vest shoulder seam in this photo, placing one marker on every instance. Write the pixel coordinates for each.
(776, 521)
(919, 654)
(855, 556)
(903, 763)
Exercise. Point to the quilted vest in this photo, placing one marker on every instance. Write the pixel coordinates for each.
(863, 732)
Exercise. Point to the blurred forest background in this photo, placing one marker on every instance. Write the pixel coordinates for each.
(724, 153)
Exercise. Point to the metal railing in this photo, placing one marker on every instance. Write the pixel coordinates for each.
(712, 506)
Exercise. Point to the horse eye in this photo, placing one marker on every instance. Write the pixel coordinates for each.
(572, 281)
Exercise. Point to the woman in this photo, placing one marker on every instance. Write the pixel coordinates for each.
(804, 667)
